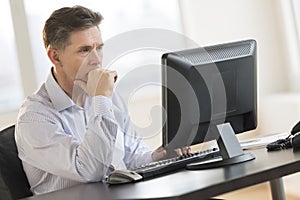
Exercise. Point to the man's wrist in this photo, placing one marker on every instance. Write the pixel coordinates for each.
(102, 105)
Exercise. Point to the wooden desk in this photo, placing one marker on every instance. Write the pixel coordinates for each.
(200, 184)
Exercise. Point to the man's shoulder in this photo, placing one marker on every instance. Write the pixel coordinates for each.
(39, 99)
(38, 103)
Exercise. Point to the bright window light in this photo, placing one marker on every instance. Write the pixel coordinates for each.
(10, 82)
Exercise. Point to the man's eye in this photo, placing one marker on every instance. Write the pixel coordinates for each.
(84, 50)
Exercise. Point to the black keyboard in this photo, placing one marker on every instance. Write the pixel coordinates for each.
(161, 167)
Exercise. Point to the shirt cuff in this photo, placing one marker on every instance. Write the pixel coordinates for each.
(148, 157)
(102, 106)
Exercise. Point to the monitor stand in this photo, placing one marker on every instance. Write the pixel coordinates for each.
(230, 150)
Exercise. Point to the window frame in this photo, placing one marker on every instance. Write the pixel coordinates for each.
(25, 56)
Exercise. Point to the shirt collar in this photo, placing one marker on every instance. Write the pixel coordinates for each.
(59, 98)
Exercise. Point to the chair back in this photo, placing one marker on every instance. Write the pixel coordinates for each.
(13, 180)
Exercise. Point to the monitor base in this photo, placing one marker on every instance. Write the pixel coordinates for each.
(220, 163)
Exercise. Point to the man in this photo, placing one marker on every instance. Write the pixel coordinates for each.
(74, 128)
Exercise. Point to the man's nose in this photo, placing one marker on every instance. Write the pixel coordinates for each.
(95, 57)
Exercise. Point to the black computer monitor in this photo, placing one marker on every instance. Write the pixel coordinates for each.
(210, 93)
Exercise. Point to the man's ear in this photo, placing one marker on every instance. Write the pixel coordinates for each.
(53, 55)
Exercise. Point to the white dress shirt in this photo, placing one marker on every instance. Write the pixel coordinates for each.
(62, 144)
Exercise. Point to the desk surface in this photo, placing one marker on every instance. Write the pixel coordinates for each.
(199, 184)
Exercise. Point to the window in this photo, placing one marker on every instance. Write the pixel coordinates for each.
(10, 81)
(296, 8)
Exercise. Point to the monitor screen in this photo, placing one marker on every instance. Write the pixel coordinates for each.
(207, 89)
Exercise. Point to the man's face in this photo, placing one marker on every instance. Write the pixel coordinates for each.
(83, 54)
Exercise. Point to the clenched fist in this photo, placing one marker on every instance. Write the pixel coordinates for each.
(99, 82)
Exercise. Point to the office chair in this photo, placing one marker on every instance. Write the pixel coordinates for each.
(13, 180)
